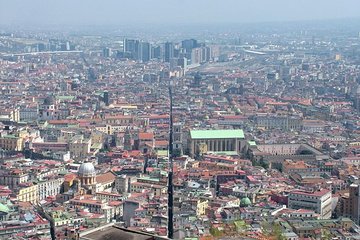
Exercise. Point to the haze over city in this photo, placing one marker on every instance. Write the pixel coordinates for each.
(180, 119)
(114, 12)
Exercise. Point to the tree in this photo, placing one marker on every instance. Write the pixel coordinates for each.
(176, 153)
(215, 232)
(263, 163)
(325, 234)
(272, 231)
(277, 232)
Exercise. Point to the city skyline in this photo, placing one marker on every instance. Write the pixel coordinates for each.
(200, 120)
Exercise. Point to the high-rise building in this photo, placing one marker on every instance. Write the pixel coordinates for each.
(197, 80)
(182, 62)
(189, 44)
(196, 56)
(129, 45)
(169, 51)
(144, 52)
(131, 48)
(156, 52)
(107, 52)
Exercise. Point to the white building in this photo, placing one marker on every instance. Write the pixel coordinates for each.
(49, 187)
(319, 201)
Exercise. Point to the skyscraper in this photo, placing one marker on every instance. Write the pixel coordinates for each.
(189, 44)
(131, 48)
(107, 52)
(169, 51)
(144, 52)
(156, 52)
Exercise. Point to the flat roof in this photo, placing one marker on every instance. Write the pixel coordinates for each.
(217, 134)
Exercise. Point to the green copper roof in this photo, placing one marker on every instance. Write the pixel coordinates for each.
(252, 143)
(225, 153)
(65, 97)
(245, 202)
(163, 153)
(4, 208)
(9, 136)
(214, 134)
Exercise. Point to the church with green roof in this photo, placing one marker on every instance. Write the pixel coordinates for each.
(224, 142)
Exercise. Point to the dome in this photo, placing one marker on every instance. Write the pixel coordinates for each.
(4, 208)
(49, 100)
(245, 202)
(86, 170)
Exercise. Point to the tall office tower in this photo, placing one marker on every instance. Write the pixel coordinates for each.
(107, 52)
(155, 52)
(67, 46)
(129, 45)
(204, 54)
(41, 47)
(144, 52)
(196, 56)
(182, 62)
(169, 51)
(131, 48)
(208, 54)
(197, 80)
(63, 46)
(189, 44)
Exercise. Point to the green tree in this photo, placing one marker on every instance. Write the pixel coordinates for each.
(272, 231)
(215, 232)
(176, 153)
(325, 234)
(277, 232)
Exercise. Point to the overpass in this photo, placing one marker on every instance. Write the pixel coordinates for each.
(37, 53)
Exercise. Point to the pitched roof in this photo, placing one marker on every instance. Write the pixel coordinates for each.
(216, 134)
(145, 135)
(106, 177)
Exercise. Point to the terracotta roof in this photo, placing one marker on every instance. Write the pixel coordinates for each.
(161, 143)
(145, 135)
(106, 177)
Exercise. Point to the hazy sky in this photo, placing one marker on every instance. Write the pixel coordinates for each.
(125, 12)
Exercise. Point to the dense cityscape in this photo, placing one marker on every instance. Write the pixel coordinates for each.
(246, 133)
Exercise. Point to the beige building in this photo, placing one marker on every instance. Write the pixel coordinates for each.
(13, 178)
(111, 129)
(27, 193)
(11, 142)
(201, 207)
(79, 147)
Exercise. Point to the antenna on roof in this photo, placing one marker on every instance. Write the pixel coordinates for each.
(170, 173)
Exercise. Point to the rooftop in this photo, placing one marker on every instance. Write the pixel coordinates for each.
(216, 134)
(114, 232)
